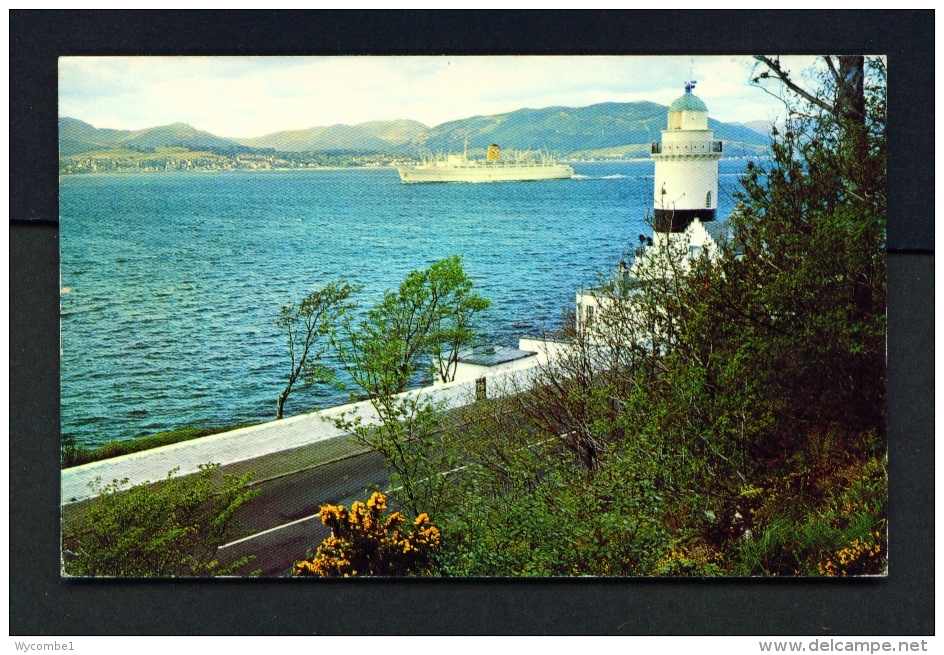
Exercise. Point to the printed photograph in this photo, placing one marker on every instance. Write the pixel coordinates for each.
(503, 316)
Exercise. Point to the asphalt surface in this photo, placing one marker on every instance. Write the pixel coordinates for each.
(284, 517)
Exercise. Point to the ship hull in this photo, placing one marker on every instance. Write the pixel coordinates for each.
(484, 173)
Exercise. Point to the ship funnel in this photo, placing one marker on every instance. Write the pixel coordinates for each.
(494, 152)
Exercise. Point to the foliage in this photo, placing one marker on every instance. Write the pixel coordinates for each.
(422, 325)
(412, 332)
(409, 435)
(172, 528)
(724, 415)
(306, 326)
(858, 558)
(363, 542)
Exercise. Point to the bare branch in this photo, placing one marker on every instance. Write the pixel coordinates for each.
(832, 68)
(784, 77)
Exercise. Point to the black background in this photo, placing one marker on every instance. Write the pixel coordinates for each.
(41, 603)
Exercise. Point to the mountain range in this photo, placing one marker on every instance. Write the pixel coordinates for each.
(561, 130)
(77, 136)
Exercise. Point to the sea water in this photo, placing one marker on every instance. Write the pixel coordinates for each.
(172, 282)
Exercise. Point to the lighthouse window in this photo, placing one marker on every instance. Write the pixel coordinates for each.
(708, 201)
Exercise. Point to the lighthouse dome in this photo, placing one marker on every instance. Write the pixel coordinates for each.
(689, 102)
(688, 113)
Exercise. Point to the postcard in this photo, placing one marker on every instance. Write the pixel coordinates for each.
(473, 316)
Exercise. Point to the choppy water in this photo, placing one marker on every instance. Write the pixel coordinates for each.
(172, 281)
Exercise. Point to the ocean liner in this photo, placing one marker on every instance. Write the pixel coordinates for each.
(459, 168)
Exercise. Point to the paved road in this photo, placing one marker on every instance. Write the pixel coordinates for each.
(284, 516)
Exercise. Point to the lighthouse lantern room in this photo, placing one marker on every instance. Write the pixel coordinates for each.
(686, 167)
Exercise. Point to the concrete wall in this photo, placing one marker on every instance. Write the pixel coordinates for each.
(466, 372)
(264, 439)
(547, 351)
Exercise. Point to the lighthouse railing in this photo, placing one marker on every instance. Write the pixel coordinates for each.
(686, 147)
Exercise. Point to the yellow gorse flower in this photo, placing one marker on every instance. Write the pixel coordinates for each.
(855, 559)
(363, 542)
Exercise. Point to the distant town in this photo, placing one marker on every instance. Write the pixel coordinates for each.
(602, 132)
(183, 159)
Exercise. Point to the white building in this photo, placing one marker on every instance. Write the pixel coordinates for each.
(686, 168)
(480, 362)
(685, 196)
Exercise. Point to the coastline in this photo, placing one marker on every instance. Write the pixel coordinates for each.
(349, 168)
(227, 170)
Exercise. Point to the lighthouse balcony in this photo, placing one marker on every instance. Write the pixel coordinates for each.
(687, 148)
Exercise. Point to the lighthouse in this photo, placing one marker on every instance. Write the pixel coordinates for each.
(686, 168)
(684, 207)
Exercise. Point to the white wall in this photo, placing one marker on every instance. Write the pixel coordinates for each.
(546, 350)
(702, 138)
(272, 437)
(686, 181)
(695, 239)
(688, 120)
(466, 372)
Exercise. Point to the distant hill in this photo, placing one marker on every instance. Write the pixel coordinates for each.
(181, 135)
(561, 130)
(565, 130)
(77, 136)
(366, 137)
(760, 126)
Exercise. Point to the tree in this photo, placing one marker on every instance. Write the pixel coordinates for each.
(725, 415)
(169, 529)
(415, 331)
(454, 307)
(364, 542)
(306, 324)
(851, 124)
(825, 193)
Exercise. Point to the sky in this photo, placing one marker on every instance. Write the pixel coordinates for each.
(252, 96)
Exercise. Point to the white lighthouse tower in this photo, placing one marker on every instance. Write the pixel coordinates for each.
(684, 203)
(686, 168)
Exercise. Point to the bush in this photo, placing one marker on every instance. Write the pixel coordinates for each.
(363, 542)
(171, 529)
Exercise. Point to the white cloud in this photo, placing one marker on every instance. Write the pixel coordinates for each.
(251, 96)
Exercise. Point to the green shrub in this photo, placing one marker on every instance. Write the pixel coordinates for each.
(172, 528)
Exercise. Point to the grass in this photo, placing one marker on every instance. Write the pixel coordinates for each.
(75, 454)
(840, 531)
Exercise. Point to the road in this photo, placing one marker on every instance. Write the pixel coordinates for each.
(284, 517)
